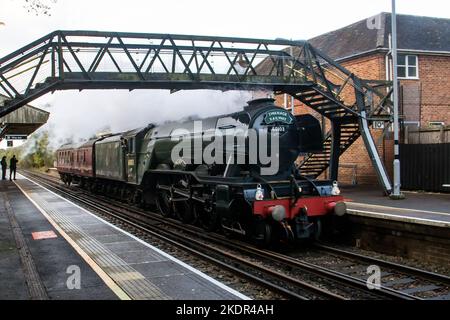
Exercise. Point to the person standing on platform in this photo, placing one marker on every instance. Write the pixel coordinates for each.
(4, 166)
(13, 167)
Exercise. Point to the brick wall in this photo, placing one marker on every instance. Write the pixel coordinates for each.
(434, 113)
(369, 67)
(410, 100)
(410, 240)
(434, 75)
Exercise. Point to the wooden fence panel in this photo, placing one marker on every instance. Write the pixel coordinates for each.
(425, 166)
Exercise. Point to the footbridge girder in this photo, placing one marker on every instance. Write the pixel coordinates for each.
(104, 60)
(64, 60)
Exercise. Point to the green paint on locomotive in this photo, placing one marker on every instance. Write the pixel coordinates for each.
(123, 157)
(109, 159)
(128, 156)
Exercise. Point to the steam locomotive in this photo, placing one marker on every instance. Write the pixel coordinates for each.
(203, 172)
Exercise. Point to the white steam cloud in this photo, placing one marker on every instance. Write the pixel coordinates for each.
(77, 115)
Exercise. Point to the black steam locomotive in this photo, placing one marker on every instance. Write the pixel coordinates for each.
(234, 172)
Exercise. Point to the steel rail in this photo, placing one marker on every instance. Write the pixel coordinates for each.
(392, 265)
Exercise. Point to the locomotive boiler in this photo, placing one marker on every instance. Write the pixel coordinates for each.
(233, 172)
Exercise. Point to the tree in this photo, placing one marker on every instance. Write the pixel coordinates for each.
(35, 153)
(43, 155)
(39, 6)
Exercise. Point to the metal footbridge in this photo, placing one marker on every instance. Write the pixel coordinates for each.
(64, 60)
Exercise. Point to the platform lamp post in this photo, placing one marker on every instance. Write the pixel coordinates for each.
(396, 194)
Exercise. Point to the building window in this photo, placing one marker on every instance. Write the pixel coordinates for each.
(407, 66)
(411, 125)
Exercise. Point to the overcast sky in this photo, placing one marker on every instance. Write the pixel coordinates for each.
(296, 19)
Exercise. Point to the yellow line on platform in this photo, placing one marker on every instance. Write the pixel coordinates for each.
(102, 274)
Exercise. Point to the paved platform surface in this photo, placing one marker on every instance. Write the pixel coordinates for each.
(113, 264)
(420, 208)
(39, 269)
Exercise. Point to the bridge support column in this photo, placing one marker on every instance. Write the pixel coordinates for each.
(382, 175)
(335, 149)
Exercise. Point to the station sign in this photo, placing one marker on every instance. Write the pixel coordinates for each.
(15, 137)
(378, 124)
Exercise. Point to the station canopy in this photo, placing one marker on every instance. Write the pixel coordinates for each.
(23, 121)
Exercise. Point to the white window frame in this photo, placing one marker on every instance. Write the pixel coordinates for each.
(407, 66)
(288, 103)
(417, 123)
(436, 123)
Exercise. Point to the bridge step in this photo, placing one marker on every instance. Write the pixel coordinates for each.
(315, 164)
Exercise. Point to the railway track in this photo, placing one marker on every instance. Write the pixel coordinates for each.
(319, 280)
(277, 282)
(416, 282)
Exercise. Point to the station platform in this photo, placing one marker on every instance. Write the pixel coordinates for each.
(50, 248)
(419, 208)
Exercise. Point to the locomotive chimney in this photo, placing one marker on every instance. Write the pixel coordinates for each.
(257, 103)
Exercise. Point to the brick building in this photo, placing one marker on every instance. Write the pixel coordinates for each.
(423, 69)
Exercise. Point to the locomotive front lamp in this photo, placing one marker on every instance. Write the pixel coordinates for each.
(335, 191)
(259, 194)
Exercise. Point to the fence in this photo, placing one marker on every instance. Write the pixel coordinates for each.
(429, 135)
(425, 166)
